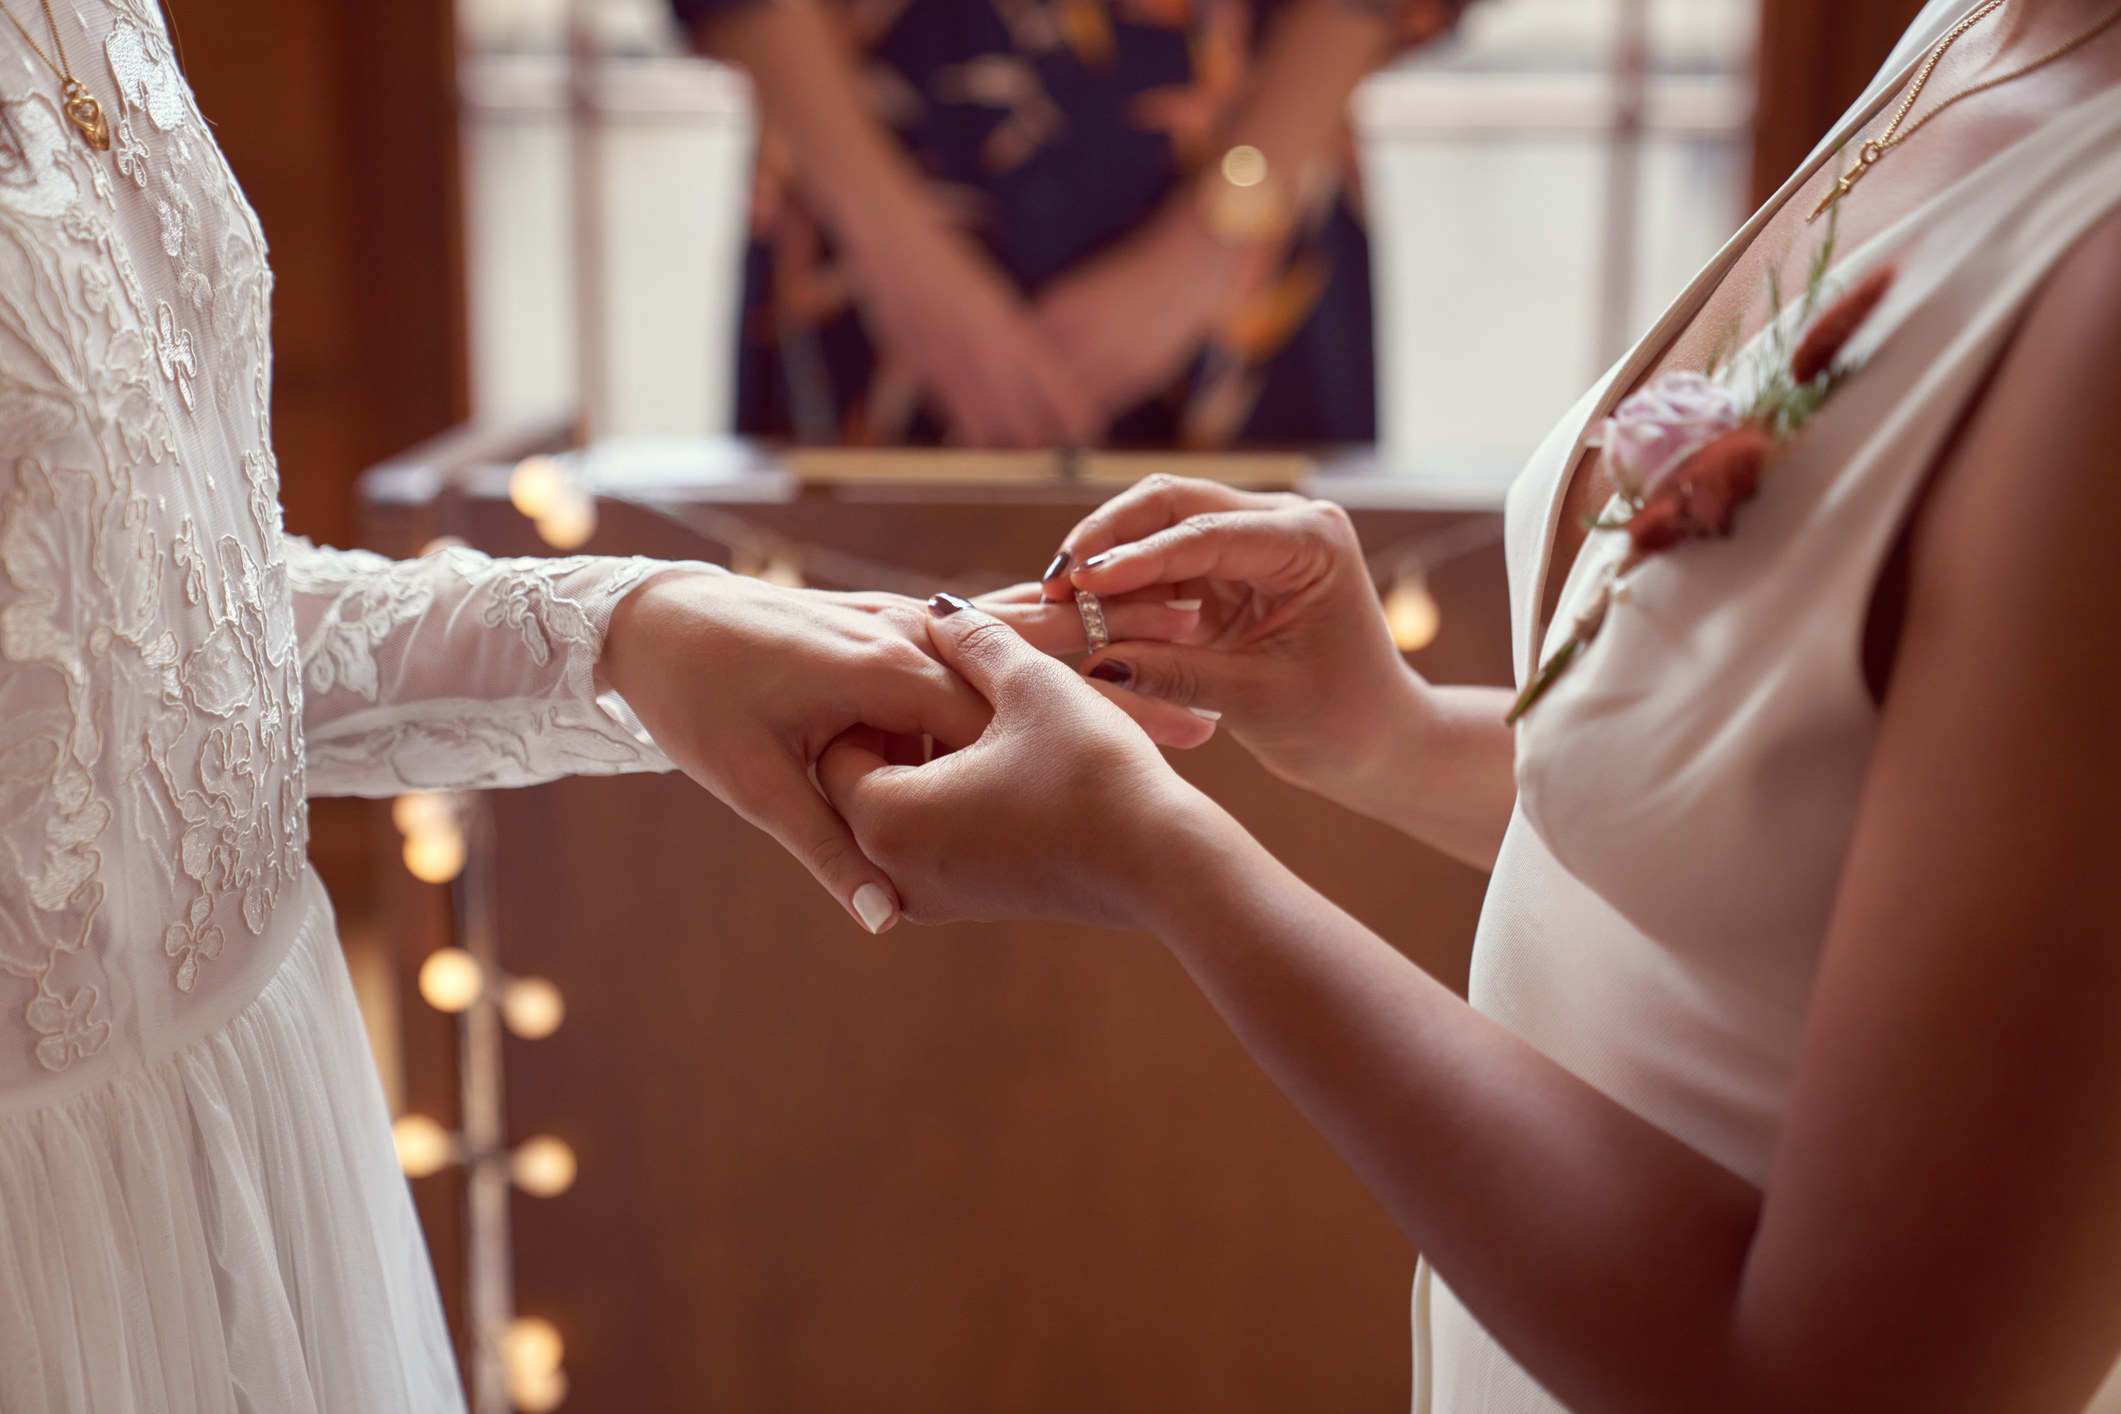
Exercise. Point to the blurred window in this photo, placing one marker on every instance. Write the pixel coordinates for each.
(1538, 187)
(663, 160)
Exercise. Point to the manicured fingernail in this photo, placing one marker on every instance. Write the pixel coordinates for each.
(1184, 606)
(944, 605)
(1205, 715)
(1112, 670)
(1060, 562)
(1095, 560)
(873, 905)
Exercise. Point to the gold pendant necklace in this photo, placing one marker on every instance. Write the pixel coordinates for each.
(79, 105)
(1891, 136)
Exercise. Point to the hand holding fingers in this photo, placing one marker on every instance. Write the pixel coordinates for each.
(1152, 504)
(1057, 627)
(1169, 724)
(783, 801)
(1291, 653)
(744, 684)
(1278, 550)
(1042, 816)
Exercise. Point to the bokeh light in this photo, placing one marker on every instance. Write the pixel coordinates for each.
(423, 1146)
(532, 1007)
(543, 1167)
(1412, 613)
(451, 979)
(569, 523)
(537, 485)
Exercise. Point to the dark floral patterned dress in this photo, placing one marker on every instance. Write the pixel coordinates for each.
(1051, 128)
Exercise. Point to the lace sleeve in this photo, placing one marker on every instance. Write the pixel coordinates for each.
(460, 672)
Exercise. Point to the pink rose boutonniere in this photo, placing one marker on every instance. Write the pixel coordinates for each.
(1686, 451)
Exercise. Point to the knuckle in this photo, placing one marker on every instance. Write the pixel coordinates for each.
(1168, 679)
(903, 655)
(831, 852)
(904, 616)
(1181, 682)
(989, 637)
(1332, 518)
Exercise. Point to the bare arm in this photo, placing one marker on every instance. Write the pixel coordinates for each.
(935, 304)
(1940, 1230)
(1129, 318)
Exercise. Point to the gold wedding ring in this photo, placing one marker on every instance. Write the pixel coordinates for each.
(1093, 611)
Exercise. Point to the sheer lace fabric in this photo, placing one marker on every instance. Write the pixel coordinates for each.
(194, 1166)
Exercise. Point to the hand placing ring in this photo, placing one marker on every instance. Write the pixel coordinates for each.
(1093, 612)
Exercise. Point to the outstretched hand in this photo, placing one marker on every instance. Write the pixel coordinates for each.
(1049, 814)
(743, 685)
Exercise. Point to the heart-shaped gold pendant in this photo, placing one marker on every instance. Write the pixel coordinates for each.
(86, 114)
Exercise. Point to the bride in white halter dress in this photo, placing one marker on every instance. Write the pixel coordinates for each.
(199, 1205)
(1682, 992)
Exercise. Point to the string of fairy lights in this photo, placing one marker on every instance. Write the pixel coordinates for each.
(517, 1361)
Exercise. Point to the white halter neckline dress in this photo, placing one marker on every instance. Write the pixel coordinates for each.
(1688, 790)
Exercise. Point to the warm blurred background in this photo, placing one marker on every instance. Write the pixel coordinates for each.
(768, 1164)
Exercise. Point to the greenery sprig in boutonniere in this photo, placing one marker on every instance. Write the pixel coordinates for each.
(1687, 450)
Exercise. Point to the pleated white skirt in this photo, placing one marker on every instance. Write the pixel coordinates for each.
(226, 1229)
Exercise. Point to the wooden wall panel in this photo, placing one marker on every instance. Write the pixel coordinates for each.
(980, 1168)
(1815, 58)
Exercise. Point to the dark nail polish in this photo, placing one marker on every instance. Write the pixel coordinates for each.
(1060, 562)
(1095, 560)
(1112, 670)
(944, 605)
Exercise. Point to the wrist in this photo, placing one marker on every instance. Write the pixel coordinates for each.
(1170, 861)
(1361, 768)
(890, 224)
(639, 620)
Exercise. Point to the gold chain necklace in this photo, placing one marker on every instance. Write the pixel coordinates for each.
(80, 107)
(1891, 137)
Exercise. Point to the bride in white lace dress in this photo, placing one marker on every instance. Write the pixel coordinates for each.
(199, 1207)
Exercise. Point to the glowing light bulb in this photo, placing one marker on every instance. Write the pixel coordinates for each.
(1244, 166)
(542, 1167)
(536, 486)
(538, 1394)
(569, 522)
(435, 856)
(1412, 613)
(532, 1007)
(423, 1146)
(422, 810)
(531, 1347)
(451, 979)
(786, 573)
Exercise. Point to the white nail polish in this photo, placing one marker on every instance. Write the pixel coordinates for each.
(1184, 606)
(874, 906)
(1205, 715)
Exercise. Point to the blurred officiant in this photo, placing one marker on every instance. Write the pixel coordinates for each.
(1024, 223)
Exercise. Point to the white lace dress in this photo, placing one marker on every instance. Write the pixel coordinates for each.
(199, 1207)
